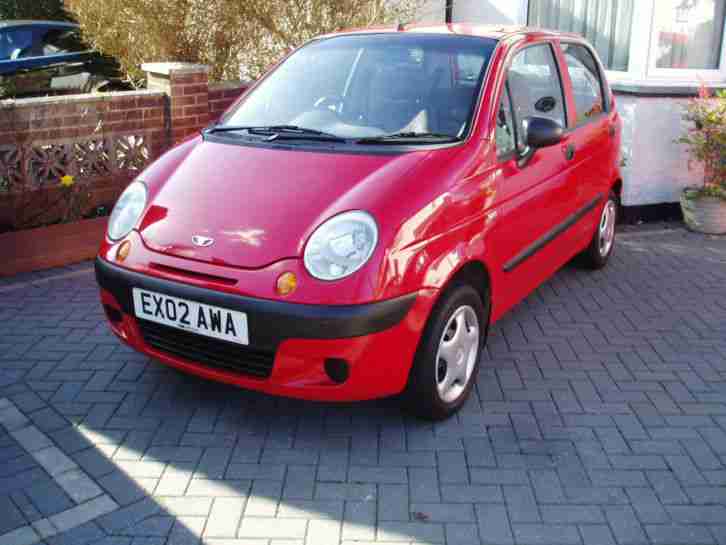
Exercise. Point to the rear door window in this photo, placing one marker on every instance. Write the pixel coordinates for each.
(62, 40)
(536, 88)
(16, 43)
(587, 85)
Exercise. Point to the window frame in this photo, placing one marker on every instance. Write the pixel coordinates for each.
(556, 62)
(508, 155)
(675, 74)
(642, 54)
(602, 78)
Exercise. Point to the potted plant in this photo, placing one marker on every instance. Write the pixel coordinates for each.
(704, 207)
(53, 227)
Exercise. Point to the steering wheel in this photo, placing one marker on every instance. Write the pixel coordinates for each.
(332, 103)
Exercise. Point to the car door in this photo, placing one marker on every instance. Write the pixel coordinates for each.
(590, 138)
(530, 196)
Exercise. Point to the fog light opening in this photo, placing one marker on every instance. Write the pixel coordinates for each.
(114, 316)
(338, 370)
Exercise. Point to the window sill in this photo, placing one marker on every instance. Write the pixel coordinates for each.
(660, 88)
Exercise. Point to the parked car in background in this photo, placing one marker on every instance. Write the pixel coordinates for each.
(39, 58)
(354, 224)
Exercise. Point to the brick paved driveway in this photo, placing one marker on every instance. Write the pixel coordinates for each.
(600, 418)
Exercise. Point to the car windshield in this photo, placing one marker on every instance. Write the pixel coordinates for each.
(373, 85)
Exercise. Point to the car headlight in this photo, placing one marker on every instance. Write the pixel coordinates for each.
(127, 211)
(341, 245)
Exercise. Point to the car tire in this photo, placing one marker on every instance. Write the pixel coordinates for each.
(601, 246)
(436, 389)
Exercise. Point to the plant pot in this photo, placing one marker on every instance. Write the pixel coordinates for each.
(53, 246)
(703, 214)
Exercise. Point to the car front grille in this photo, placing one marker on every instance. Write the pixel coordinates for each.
(207, 351)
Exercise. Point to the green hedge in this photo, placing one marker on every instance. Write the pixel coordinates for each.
(33, 9)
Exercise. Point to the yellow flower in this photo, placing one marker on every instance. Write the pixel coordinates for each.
(67, 181)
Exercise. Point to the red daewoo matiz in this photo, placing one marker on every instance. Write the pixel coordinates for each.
(354, 224)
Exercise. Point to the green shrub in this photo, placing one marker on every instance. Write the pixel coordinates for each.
(33, 9)
(225, 34)
(705, 141)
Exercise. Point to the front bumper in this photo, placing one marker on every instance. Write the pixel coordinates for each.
(378, 340)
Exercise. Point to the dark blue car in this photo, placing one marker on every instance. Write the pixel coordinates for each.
(48, 58)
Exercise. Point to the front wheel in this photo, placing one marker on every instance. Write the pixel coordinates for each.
(603, 241)
(447, 360)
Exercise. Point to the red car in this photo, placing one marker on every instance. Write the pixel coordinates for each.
(354, 224)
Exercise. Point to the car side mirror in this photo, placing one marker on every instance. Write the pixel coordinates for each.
(540, 132)
(543, 132)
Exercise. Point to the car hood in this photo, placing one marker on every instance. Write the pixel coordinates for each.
(258, 205)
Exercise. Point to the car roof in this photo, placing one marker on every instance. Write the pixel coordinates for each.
(496, 32)
(30, 22)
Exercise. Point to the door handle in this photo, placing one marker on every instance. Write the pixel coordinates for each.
(569, 152)
(612, 130)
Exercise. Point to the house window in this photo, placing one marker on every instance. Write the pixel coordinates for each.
(606, 24)
(688, 34)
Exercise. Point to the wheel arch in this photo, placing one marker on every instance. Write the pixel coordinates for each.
(476, 274)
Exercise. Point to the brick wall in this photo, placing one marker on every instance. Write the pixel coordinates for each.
(222, 96)
(102, 140)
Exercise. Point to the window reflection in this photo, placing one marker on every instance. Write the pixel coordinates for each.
(689, 33)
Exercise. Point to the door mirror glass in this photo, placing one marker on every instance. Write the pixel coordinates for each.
(543, 132)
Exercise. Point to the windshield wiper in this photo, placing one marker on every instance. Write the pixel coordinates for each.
(278, 131)
(396, 138)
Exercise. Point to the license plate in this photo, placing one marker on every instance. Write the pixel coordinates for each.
(207, 320)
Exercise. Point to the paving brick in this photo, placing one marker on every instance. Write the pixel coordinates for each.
(600, 418)
(571, 514)
(12, 419)
(31, 439)
(521, 504)
(462, 534)
(85, 533)
(48, 498)
(540, 534)
(423, 484)
(272, 528)
(24, 535)
(410, 531)
(83, 513)
(350, 491)
(359, 522)
(471, 493)
(499, 476)
(323, 532)
(442, 512)
(12, 517)
(494, 525)
(373, 474)
(625, 525)
(647, 506)
(79, 486)
(596, 534)
(547, 486)
(393, 502)
(224, 517)
(669, 534)
(667, 487)
(264, 499)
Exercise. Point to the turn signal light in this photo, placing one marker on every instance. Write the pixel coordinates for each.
(286, 283)
(123, 251)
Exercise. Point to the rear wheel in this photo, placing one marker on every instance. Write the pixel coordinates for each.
(603, 240)
(447, 360)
